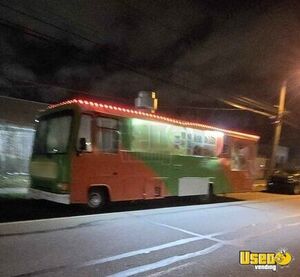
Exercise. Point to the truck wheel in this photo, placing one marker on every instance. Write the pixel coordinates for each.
(97, 198)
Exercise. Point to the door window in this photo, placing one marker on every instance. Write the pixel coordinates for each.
(107, 134)
(84, 141)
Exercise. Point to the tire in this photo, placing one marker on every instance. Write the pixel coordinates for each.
(97, 198)
(296, 189)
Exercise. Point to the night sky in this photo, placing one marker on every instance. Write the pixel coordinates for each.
(193, 53)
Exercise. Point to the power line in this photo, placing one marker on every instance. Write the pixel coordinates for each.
(260, 105)
(243, 107)
(116, 60)
(46, 85)
(47, 38)
(137, 10)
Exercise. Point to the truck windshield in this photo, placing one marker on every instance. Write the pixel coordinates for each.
(52, 135)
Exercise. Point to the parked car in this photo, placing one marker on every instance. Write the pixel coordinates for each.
(285, 180)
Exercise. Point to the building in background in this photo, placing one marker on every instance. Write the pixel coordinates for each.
(16, 134)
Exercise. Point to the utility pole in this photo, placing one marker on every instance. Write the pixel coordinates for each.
(280, 114)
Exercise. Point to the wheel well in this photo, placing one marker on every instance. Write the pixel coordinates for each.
(100, 188)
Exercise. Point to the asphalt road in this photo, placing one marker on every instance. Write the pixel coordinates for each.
(197, 240)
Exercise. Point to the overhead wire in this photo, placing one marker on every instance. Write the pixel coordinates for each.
(128, 66)
(260, 105)
(113, 59)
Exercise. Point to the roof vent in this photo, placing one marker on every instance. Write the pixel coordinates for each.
(146, 100)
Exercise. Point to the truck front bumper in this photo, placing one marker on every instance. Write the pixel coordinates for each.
(45, 195)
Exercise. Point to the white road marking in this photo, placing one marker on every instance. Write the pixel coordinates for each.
(210, 236)
(170, 260)
(195, 237)
(139, 252)
(166, 262)
(290, 216)
(293, 224)
(148, 250)
(164, 272)
(176, 228)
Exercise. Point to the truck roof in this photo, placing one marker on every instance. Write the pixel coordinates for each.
(130, 112)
